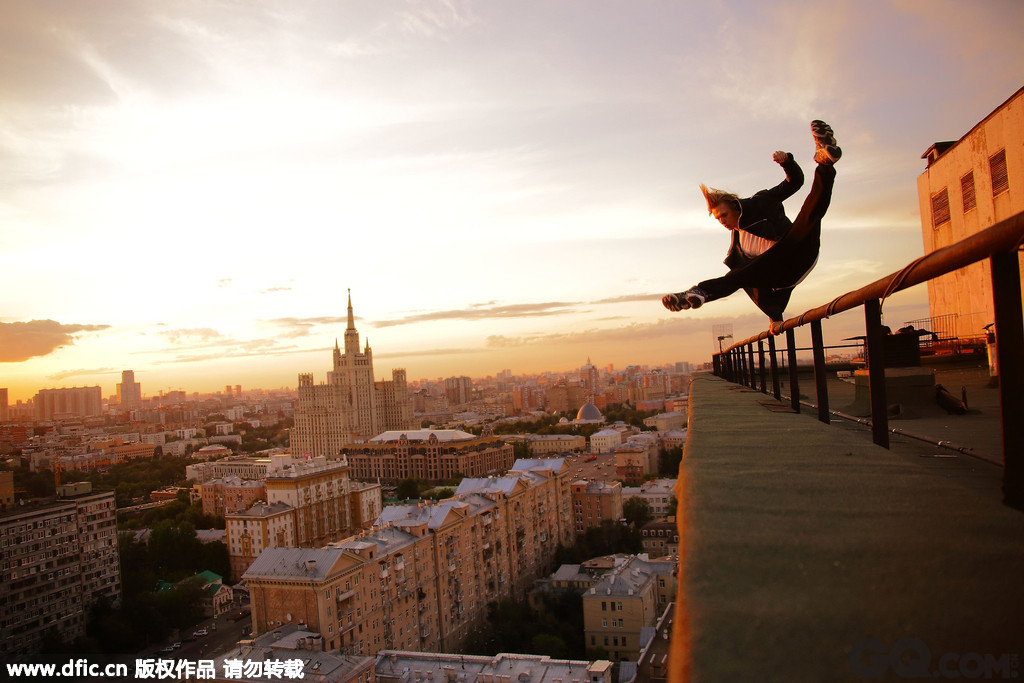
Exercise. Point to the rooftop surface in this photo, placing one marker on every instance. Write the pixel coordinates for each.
(810, 554)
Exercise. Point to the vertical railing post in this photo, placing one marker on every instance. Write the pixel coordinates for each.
(1009, 326)
(776, 389)
(750, 363)
(760, 366)
(876, 371)
(716, 364)
(820, 381)
(794, 382)
(741, 375)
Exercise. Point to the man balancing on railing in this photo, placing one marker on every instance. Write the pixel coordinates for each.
(769, 255)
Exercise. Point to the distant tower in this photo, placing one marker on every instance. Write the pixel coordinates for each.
(129, 392)
(351, 406)
(720, 334)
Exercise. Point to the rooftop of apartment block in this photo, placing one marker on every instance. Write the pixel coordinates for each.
(301, 564)
(423, 435)
(287, 466)
(630, 575)
(291, 641)
(410, 667)
(70, 494)
(261, 509)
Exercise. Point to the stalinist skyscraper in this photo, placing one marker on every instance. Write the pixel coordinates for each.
(351, 407)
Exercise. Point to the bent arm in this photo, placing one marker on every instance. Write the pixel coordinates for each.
(794, 178)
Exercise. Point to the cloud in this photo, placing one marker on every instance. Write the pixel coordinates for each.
(490, 311)
(431, 353)
(300, 327)
(202, 335)
(263, 348)
(64, 374)
(270, 290)
(20, 341)
(625, 334)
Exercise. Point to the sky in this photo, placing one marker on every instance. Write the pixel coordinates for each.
(189, 189)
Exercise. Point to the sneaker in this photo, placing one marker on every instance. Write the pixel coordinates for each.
(695, 297)
(826, 150)
(827, 154)
(820, 129)
(675, 302)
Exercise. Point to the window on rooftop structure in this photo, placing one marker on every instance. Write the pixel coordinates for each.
(997, 168)
(940, 207)
(967, 192)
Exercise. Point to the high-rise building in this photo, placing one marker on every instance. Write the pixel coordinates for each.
(458, 390)
(129, 392)
(68, 402)
(58, 559)
(351, 407)
(3, 405)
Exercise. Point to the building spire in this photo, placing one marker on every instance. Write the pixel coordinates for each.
(351, 318)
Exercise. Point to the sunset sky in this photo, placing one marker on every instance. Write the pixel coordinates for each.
(189, 189)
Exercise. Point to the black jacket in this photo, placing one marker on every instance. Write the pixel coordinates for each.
(763, 215)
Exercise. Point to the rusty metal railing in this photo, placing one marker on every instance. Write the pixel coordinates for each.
(999, 245)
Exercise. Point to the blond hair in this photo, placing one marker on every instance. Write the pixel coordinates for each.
(715, 197)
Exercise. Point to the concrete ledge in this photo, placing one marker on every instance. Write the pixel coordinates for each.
(801, 540)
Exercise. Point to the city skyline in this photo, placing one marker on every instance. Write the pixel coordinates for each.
(189, 191)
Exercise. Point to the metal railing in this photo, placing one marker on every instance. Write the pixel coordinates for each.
(999, 245)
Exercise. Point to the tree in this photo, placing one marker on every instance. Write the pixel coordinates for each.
(669, 460)
(673, 506)
(550, 645)
(637, 511)
(408, 488)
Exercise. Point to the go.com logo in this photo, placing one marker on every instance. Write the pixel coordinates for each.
(911, 658)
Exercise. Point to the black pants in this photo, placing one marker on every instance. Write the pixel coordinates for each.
(769, 279)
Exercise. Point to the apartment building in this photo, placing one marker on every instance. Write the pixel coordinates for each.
(657, 492)
(129, 392)
(351, 406)
(546, 444)
(68, 402)
(251, 531)
(660, 538)
(316, 489)
(421, 578)
(628, 599)
(241, 466)
(434, 455)
(309, 502)
(57, 559)
(594, 502)
(969, 185)
(230, 494)
(664, 422)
